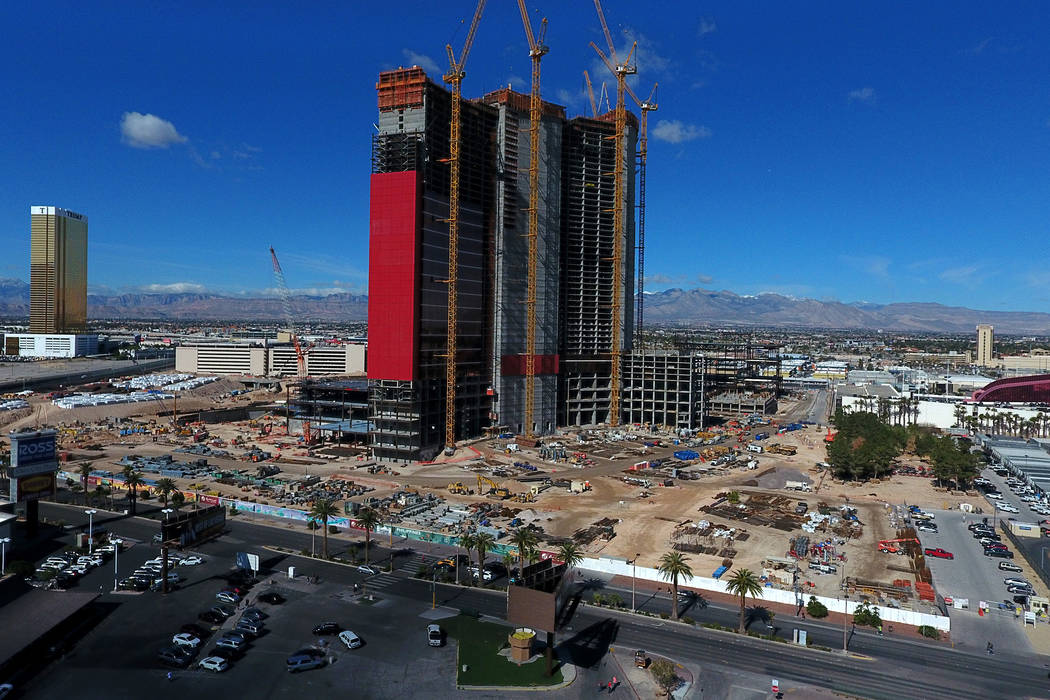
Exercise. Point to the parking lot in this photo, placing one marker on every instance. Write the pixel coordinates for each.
(973, 576)
(119, 657)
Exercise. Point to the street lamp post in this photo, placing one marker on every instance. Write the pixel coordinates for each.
(91, 528)
(845, 610)
(634, 579)
(164, 556)
(116, 559)
(3, 555)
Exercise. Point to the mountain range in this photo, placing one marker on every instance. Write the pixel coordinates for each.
(673, 306)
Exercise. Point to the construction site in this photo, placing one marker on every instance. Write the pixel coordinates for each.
(506, 385)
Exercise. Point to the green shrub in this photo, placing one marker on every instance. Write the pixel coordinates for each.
(867, 616)
(664, 616)
(598, 599)
(614, 600)
(929, 631)
(333, 530)
(733, 496)
(688, 620)
(815, 608)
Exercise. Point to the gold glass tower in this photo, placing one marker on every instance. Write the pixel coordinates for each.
(57, 271)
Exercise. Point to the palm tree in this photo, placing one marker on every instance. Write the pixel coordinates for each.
(483, 542)
(508, 563)
(368, 518)
(570, 554)
(525, 542)
(177, 500)
(166, 486)
(100, 492)
(85, 472)
(322, 511)
(132, 480)
(744, 583)
(467, 542)
(672, 566)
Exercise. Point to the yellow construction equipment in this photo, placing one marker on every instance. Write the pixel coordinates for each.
(524, 497)
(536, 52)
(484, 481)
(590, 94)
(454, 78)
(621, 71)
(649, 105)
(458, 487)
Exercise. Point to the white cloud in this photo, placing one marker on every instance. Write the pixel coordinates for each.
(707, 26)
(964, 274)
(704, 279)
(875, 265)
(658, 278)
(864, 94)
(173, 288)
(423, 61)
(675, 131)
(148, 131)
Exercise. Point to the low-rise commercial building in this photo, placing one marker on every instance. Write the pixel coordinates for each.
(50, 344)
(257, 360)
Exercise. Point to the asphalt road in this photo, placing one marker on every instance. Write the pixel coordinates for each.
(896, 668)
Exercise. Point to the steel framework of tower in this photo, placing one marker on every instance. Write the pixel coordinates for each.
(536, 52)
(454, 78)
(621, 71)
(649, 105)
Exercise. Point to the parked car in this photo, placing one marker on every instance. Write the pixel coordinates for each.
(351, 640)
(367, 570)
(271, 598)
(226, 653)
(227, 597)
(304, 660)
(995, 545)
(938, 552)
(184, 639)
(326, 628)
(1002, 553)
(229, 642)
(435, 635)
(174, 656)
(224, 610)
(191, 561)
(212, 617)
(1026, 590)
(1015, 581)
(253, 615)
(249, 627)
(214, 663)
(1009, 566)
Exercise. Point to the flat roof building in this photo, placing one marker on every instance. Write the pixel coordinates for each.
(57, 270)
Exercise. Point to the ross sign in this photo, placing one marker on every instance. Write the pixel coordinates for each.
(32, 488)
(33, 453)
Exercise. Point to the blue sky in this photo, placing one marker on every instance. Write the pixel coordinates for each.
(856, 151)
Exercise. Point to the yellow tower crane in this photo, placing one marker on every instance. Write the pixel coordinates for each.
(454, 78)
(620, 71)
(536, 51)
(590, 94)
(646, 106)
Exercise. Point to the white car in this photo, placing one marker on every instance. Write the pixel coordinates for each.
(228, 597)
(186, 640)
(214, 663)
(367, 570)
(994, 496)
(1008, 508)
(191, 561)
(351, 640)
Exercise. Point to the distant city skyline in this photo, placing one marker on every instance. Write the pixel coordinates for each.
(856, 153)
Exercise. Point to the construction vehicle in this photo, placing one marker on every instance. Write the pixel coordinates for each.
(495, 490)
(454, 78)
(524, 497)
(888, 546)
(458, 488)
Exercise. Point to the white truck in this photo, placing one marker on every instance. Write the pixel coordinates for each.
(754, 447)
(797, 485)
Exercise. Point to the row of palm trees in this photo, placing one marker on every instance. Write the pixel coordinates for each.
(901, 410)
(1002, 423)
(743, 582)
(324, 510)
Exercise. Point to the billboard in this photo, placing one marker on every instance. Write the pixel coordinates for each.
(32, 488)
(194, 526)
(529, 608)
(33, 453)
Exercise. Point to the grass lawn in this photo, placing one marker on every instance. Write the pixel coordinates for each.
(479, 644)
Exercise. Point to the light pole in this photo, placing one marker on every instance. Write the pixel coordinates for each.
(3, 555)
(91, 528)
(164, 554)
(116, 558)
(634, 578)
(845, 610)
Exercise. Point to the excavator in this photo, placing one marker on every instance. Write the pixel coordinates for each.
(495, 490)
(889, 547)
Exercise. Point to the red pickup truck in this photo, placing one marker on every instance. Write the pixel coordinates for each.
(939, 553)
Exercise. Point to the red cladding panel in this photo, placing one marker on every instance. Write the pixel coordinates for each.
(514, 365)
(393, 276)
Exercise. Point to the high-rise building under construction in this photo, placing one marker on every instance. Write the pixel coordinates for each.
(408, 267)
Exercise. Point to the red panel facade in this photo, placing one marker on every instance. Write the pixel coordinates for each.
(514, 365)
(393, 276)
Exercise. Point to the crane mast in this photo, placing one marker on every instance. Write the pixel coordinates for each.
(454, 78)
(536, 52)
(621, 71)
(649, 105)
